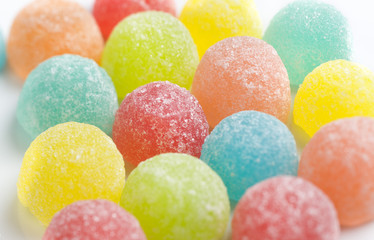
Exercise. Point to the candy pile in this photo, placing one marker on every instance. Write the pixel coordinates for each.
(234, 119)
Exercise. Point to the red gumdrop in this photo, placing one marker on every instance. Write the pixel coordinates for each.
(110, 12)
(156, 118)
(287, 208)
(94, 219)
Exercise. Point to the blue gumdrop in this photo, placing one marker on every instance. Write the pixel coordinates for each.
(248, 147)
(2, 52)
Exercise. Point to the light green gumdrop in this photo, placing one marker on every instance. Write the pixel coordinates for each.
(148, 47)
(2, 51)
(306, 34)
(177, 196)
(67, 88)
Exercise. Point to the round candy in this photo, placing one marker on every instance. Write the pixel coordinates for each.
(177, 196)
(339, 159)
(248, 147)
(67, 88)
(46, 28)
(147, 47)
(95, 220)
(336, 89)
(285, 208)
(69, 162)
(2, 52)
(242, 73)
(307, 34)
(159, 117)
(210, 21)
(110, 12)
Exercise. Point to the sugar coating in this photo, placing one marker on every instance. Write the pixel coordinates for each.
(110, 12)
(339, 159)
(69, 162)
(67, 88)
(307, 34)
(211, 21)
(177, 196)
(248, 147)
(285, 208)
(95, 220)
(147, 47)
(46, 28)
(2, 51)
(159, 117)
(242, 73)
(336, 89)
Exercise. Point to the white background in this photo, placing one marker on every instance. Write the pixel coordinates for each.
(17, 223)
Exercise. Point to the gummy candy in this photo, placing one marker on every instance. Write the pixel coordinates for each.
(67, 88)
(177, 196)
(2, 51)
(69, 162)
(159, 117)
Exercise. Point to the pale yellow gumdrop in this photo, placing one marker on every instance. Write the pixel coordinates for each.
(210, 21)
(334, 90)
(66, 163)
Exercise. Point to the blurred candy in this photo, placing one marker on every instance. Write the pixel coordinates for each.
(177, 196)
(94, 220)
(248, 147)
(46, 28)
(307, 34)
(211, 21)
(159, 117)
(147, 47)
(242, 73)
(336, 89)
(339, 159)
(110, 12)
(67, 88)
(285, 208)
(67, 163)
(2, 52)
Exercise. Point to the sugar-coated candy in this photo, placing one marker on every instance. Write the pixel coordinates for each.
(67, 88)
(334, 90)
(94, 220)
(2, 51)
(156, 118)
(307, 34)
(211, 21)
(242, 73)
(69, 162)
(248, 147)
(147, 47)
(110, 12)
(46, 28)
(177, 196)
(285, 208)
(339, 159)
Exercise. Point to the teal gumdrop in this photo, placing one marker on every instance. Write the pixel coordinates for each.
(67, 88)
(2, 52)
(306, 34)
(249, 147)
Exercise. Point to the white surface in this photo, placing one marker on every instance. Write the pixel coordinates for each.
(16, 222)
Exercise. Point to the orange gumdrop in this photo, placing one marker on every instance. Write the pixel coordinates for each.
(242, 73)
(46, 28)
(339, 159)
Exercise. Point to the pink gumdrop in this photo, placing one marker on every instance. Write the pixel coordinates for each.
(287, 208)
(110, 12)
(94, 219)
(156, 118)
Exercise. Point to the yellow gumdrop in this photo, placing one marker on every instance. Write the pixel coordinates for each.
(210, 21)
(336, 89)
(66, 163)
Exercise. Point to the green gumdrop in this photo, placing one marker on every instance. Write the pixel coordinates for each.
(177, 196)
(147, 47)
(306, 34)
(67, 88)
